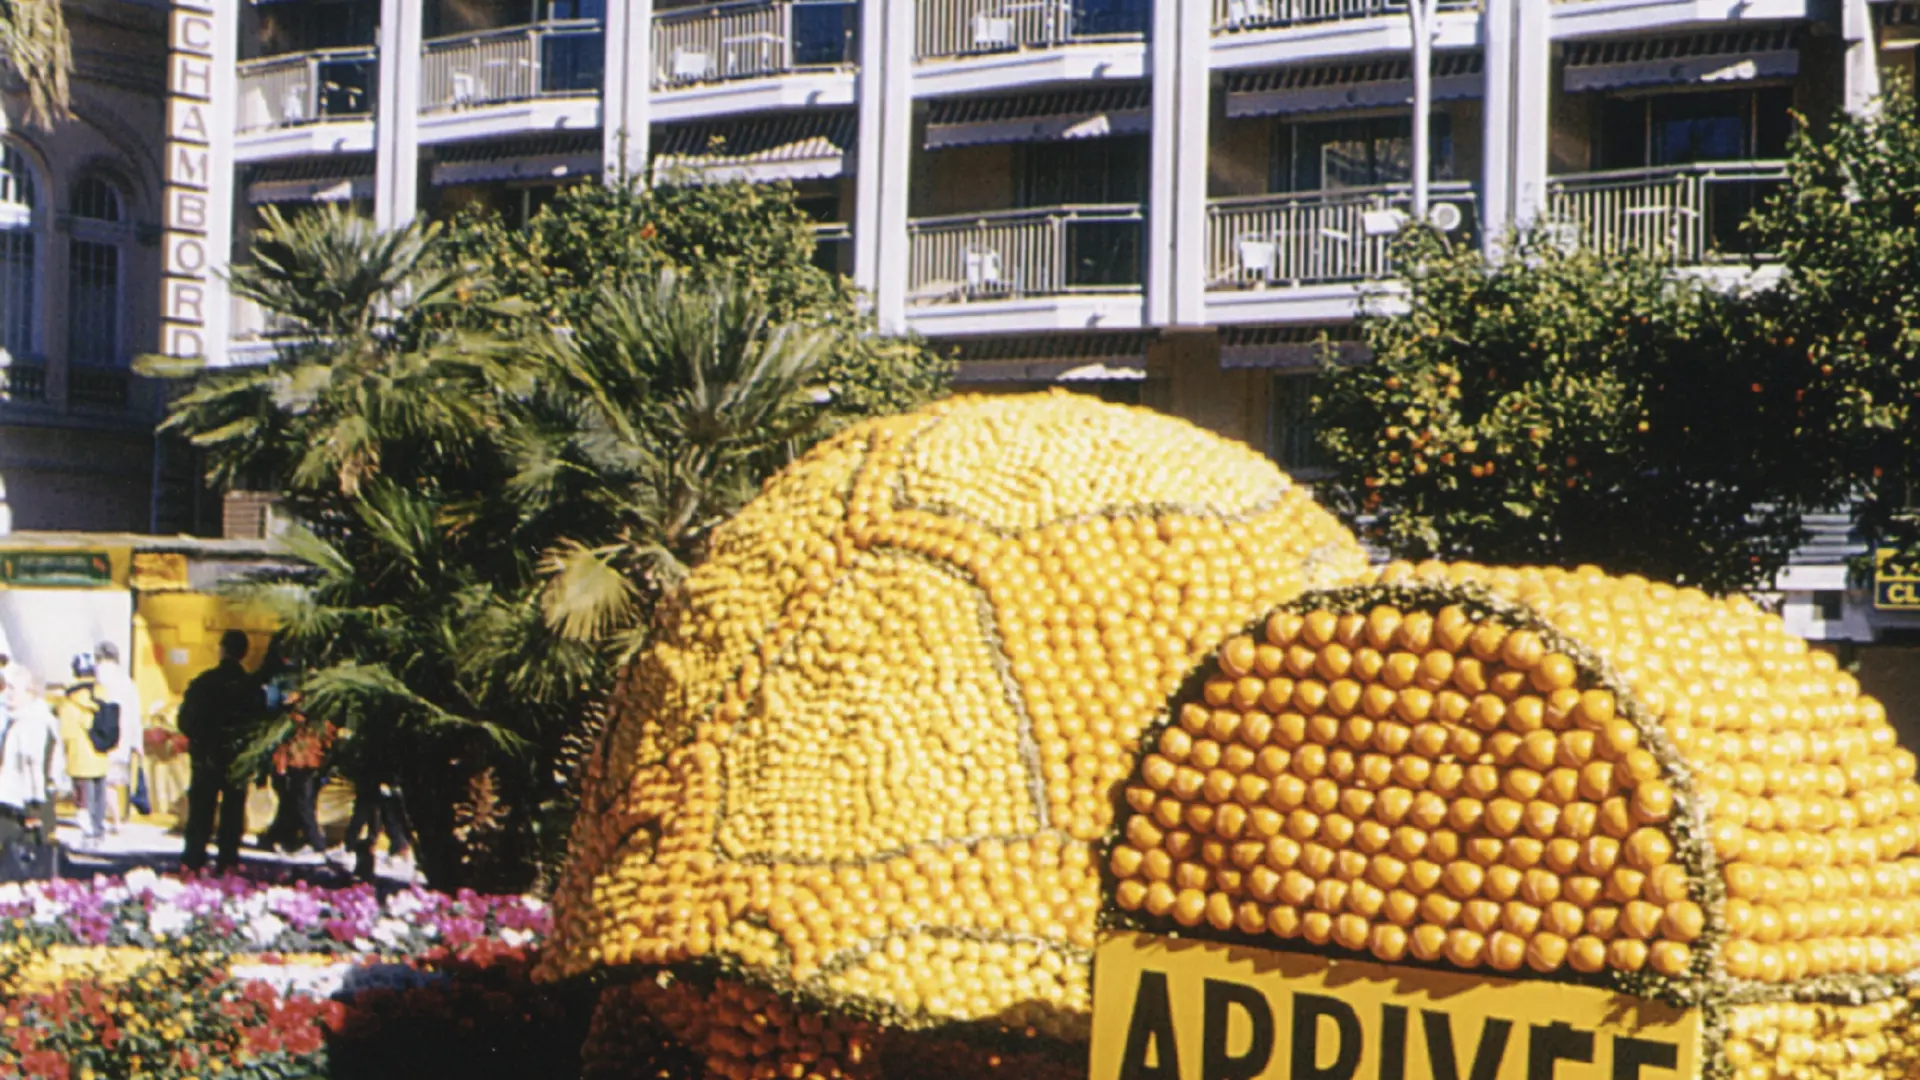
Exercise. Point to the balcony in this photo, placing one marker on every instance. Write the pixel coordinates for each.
(1260, 33)
(754, 55)
(1688, 215)
(517, 80)
(95, 387)
(1611, 18)
(1304, 256)
(966, 46)
(307, 104)
(23, 382)
(1048, 268)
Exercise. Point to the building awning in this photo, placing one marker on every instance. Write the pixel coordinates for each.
(1075, 114)
(810, 146)
(563, 157)
(301, 191)
(1290, 348)
(1051, 358)
(1683, 60)
(333, 179)
(1370, 84)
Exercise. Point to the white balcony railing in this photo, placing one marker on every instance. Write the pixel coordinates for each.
(307, 88)
(947, 28)
(1230, 15)
(1685, 214)
(1016, 253)
(1301, 238)
(518, 63)
(752, 38)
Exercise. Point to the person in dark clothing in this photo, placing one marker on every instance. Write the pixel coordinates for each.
(220, 710)
(377, 807)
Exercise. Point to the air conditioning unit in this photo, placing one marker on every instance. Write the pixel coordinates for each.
(1446, 216)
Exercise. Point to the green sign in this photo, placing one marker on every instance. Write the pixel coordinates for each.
(56, 569)
(1896, 581)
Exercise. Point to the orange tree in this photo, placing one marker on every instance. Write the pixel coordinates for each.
(1846, 228)
(1569, 407)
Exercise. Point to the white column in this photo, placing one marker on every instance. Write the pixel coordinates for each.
(626, 93)
(1863, 56)
(1496, 114)
(396, 198)
(1176, 261)
(880, 240)
(1532, 76)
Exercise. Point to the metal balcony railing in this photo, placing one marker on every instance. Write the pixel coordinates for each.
(518, 63)
(1260, 241)
(307, 88)
(23, 382)
(753, 38)
(1231, 15)
(1008, 254)
(833, 247)
(948, 28)
(1684, 214)
(98, 387)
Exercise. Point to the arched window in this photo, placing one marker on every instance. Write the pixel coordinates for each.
(99, 231)
(19, 205)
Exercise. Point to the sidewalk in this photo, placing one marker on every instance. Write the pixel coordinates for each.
(158, 847)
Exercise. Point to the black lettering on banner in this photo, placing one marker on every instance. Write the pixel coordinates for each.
(1441, 1057)
(1152, 1024)
(1215, 1062)
(1630, 1055)
(1393, 1042)
(1308, 1010)
(1553, 1043)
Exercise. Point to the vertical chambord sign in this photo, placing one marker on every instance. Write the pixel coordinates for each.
(199, 203)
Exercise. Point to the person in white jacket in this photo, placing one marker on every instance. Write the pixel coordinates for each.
(33, 760)
(116, 686)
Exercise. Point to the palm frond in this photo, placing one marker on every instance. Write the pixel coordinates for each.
(38, 47)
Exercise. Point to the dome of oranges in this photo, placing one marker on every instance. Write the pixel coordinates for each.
(869, 755)
(1541, 772)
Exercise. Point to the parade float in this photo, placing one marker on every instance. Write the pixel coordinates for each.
(1018, 733)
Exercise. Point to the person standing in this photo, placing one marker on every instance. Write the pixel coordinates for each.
(33, 766)
(220, 709)
(117, 688)
(80, 712)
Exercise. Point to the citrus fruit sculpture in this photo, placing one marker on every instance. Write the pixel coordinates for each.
(869, 757)
(1550, 774)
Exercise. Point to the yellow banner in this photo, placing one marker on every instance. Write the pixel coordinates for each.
(1171, 1009)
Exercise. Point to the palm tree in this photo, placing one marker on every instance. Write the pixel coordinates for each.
(656, 420)
(35, 44)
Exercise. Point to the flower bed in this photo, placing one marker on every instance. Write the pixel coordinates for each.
(161, 977)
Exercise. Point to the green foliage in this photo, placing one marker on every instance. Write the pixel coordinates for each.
(1846, 228)
(1570, 408)
(502, 449)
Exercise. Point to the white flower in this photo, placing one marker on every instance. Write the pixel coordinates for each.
(168, 889)
(406, 904)
(516, 938)
(164, 918)
(12, 893)
(140, 879)
(264, 929)
(47, 912)
(390, 932)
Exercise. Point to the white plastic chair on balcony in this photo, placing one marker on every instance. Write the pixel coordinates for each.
(293, 106)
(1249, 13)
(1257, 252)
(691, 65)
(983, 272)
(466, 88)
(992, 32)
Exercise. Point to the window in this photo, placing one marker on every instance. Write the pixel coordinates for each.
(1083, 172)
(93, 274)
(1688, 128)
(19, 207)
(1291, 431)
(1371, 152)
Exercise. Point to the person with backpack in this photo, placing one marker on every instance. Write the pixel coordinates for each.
(90, 728)
(117, 689)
